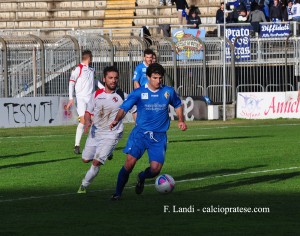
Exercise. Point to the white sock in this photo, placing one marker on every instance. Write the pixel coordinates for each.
(90, 175)
(79, 132)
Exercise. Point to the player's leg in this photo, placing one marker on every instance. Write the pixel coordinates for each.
(134, 149)
(89, 150)
(90, 175)
(101, 147)
(81, 107)
(123, 176)
(157, 145)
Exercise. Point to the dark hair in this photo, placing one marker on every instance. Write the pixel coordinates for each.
(222, 3)
(86, 54)
(148, 51)
(156, 69)
(110, 69)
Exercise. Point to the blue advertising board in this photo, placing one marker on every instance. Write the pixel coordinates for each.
(274, 30)
(242, 44)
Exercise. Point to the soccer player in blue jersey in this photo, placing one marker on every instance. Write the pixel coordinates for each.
(140, 78)
(152, 101)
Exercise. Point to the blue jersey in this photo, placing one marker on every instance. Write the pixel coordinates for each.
(152, 107)
(140, 74)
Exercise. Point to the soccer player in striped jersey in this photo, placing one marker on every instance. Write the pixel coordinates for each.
(101, 141)
(152, 101)
(82, 79)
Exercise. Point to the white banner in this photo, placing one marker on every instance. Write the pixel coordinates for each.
(268, 105)
(50, 111)
(39, 111)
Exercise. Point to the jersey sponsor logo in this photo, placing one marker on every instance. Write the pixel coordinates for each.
(144, 69)
(144, 95)
(115, 99)
(167, 95)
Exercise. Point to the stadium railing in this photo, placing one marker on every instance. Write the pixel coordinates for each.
(273, 65)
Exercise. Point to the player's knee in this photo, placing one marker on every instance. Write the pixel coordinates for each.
(85, 160)
(155, 171)
(130, 163)
(155, 168)
(128, 166)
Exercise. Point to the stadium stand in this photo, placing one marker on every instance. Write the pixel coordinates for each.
(78, 14)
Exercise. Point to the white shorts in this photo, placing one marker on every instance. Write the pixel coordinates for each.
(81, 104)
(101, 146)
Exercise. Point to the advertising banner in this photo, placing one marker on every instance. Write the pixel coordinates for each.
(187, 43)
(242, 44)
(274, 30)
(35, 111)
(268, 105)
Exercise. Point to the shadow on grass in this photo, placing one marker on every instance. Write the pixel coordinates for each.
(249, 181)
(216, 173)
(21, 154)
(216, 139)
(20, 165)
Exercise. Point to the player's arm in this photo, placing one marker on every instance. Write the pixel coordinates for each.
(137, 77)
(120, 115)
(181, 124)
(87, 121)
(136, 84)
(298, 95)
(177, 104)
(72, 82)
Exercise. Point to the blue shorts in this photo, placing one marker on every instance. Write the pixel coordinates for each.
(140, 140)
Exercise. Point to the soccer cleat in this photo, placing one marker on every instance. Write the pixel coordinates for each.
(110, 157)
(77, 150)
(81, 189)
(139, 187)
(161, 4)
(115, 197)
(169, 4)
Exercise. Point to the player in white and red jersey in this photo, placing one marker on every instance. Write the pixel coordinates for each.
(101, 141)
(82, 79)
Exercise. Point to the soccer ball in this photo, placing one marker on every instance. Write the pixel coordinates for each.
(164, 184)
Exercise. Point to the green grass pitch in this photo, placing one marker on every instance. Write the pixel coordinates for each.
(224, 166)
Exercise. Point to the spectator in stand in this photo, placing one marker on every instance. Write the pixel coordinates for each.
(296, 11)
(256, 16)
(194, 19)
(239, 12)
(220, 14)
(276, 13)
(182, 7)
(168, 2)
(242, 14)
(288, 14)
(264, 6)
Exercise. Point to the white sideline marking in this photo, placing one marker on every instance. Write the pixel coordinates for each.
(129, 187)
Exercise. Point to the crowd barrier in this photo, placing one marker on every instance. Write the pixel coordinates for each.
(33, 66)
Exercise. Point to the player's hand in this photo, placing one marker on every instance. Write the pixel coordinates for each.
(113, 124)
(182, 126)
(70, 103)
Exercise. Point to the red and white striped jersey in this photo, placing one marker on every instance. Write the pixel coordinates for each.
(82, 78)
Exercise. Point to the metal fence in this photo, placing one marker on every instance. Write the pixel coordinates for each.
(33, 66)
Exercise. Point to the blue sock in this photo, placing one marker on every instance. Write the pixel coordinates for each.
(122, 180)
(147, 174)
